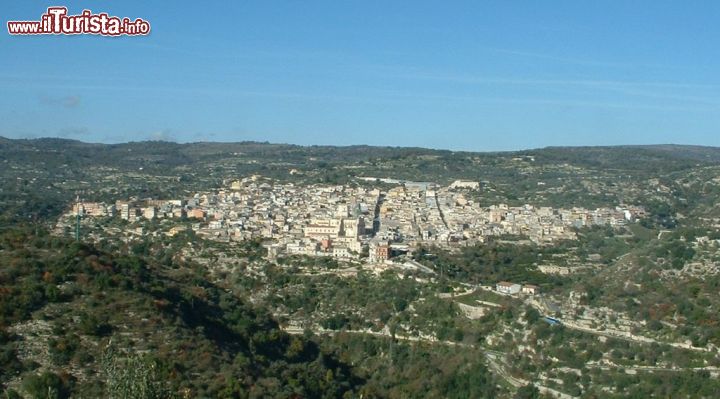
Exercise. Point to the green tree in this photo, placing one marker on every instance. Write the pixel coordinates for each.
(134, 377)
(528, 391)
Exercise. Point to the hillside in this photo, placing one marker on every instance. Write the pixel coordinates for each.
(197, 306)
(202, 339)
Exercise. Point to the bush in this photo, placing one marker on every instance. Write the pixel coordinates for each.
(527, 392)
(62, 349)
(47, 386)
(92, 325)
(133, 377)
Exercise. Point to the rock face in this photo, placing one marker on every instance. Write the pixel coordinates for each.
(472, 312)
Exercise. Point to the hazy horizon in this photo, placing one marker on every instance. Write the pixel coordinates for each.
(360, 144)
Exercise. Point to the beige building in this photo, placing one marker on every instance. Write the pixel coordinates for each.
(149, 212)
(321, 228)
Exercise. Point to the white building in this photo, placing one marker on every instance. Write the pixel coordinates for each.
(505, 287)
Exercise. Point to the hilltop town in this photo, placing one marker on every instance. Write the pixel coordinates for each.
(354, 222)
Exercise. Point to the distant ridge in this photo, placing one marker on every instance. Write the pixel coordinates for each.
(164, 154)
(683, 150)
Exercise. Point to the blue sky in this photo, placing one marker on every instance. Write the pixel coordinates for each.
(461, 75)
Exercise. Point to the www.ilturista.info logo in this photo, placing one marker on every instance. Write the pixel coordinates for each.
(57, 22)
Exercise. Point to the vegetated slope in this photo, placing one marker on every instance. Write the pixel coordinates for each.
(670, 281)
(650, 158)
(64, 304)
(67, 307)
